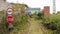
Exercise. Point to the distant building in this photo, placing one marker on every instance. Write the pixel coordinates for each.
(3, 5)
(21, 7)
(33, 10)
(46, 10)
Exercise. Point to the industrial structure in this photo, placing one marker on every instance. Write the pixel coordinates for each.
(54, 6)
(33, 10)
(46, 10)
(3, 5)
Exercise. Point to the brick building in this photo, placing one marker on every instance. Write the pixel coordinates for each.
(46, 10)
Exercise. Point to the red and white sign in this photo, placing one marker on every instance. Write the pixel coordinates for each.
(9, 19)
(9, 11)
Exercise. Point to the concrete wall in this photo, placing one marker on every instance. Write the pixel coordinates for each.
(3, 5)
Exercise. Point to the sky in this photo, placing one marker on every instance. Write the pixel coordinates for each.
(38, 3)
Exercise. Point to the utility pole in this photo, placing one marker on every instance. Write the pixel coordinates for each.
(54, 6)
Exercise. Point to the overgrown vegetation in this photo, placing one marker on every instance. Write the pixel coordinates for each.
(16, 7)
(52, 22)
(37, 15)
(19, 21)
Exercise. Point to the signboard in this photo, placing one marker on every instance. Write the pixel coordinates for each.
(9, 19)
(9, 11)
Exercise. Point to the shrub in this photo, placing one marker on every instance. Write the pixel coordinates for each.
(19, 21)
(53, 22)
(38, 15)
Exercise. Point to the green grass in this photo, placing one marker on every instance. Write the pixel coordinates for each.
(49, 31)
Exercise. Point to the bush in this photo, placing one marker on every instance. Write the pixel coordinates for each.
(38, 15)
(3, 28)
(53, 22)
(19, 21)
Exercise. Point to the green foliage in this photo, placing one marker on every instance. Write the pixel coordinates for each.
(19, 21)
(53, 22)
(35, 15)
(49, 32)
(53, 18)
(42, 11)
(16, 7)
(3, 28)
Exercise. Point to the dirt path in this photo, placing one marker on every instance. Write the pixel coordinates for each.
(33, 27)
(36, 28)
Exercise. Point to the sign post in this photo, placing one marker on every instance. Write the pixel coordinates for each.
(9, 11)
(9, 18)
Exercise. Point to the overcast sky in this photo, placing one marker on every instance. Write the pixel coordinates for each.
(38, 3)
